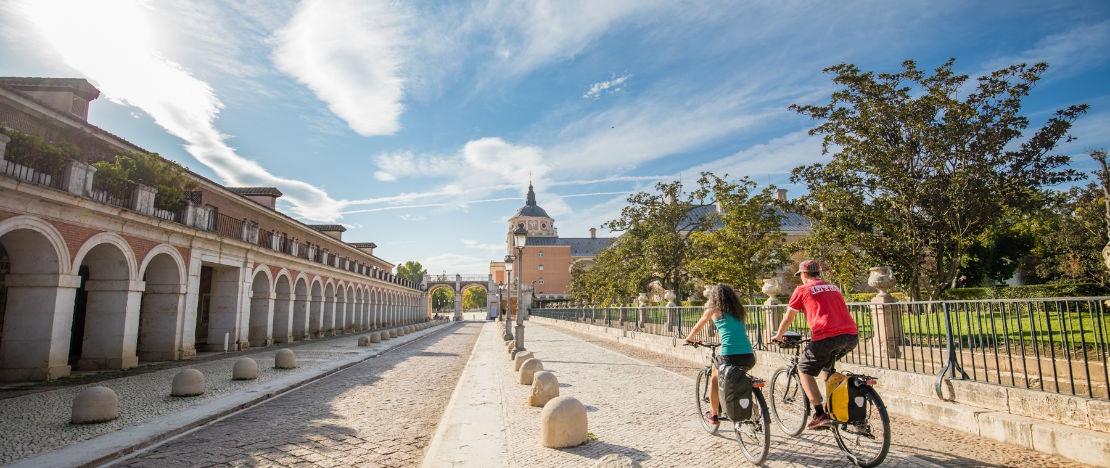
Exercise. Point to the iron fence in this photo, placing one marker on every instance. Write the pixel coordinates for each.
(1058, 345)
(227, 226)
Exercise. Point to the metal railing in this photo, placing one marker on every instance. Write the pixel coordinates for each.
(1057, 345)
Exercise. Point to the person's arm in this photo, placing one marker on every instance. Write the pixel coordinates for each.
(697, 326)
(786, 321)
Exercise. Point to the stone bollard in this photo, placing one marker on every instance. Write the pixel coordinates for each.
(245, 369)
(520, 358)
(510, 346)
(616, 460)
(563, 423)
(188, 382)
(364, 340)
(544, 387)
(285, 359)
(528, 370)
(376, 337)
(95, 404)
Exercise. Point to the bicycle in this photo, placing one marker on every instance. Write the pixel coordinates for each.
(754, 433)
(865, 440)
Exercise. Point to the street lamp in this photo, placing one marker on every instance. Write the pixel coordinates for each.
(520, 236)
(508, 282)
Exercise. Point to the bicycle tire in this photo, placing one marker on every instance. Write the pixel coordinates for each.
(789, 403)
(865, 444)
(701, 399)
(754, 434)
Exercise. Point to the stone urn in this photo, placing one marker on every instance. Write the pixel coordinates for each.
(642, 299)
(670, 297)
(771, 288)
(882, 279)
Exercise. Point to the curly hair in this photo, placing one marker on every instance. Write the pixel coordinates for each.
(725, 298)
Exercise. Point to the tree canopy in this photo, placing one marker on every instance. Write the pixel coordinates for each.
(412, 271)
(921, 167)
(474, 298)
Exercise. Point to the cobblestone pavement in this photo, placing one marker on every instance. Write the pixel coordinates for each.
(937, 444)
(381, 412)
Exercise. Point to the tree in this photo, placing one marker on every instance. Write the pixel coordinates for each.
(443, 298)
(474, 298)
(412, 271)
(749, 243)
(919, 173)
(1071, 238)
(654, 244)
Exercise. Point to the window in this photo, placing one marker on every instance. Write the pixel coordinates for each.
(541, 280)
(539, 254)
(541, 267)
(543, 225)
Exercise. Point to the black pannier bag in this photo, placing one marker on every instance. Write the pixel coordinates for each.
(736, 391)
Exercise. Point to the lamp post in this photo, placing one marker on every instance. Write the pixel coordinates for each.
(508, 282)
(520, 236)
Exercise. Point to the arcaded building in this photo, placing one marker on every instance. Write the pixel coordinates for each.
(95, 280)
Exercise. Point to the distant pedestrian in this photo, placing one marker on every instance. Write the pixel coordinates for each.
(723, 308)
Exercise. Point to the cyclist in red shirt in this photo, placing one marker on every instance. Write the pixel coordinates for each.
(833, 332)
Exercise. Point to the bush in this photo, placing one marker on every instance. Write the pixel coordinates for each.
(1028, 292)
(38, 154)
(118, 178)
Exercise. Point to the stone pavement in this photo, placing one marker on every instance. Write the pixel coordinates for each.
(634, 408)
(36, 430)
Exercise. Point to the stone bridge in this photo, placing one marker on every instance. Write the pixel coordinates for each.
(458, 283)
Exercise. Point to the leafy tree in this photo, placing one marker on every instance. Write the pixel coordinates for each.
(474, 298)
(37, 153)
(921, 168)
(654, 244)
(749, 243)
(1071, 238)
(443, 298)
(412, 271)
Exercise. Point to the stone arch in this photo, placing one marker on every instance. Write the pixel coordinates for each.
(35, 316)
(261, 315)
(431, 295)
(316, 309)
(105, 321)
(283, 308)
(328, 327)
(360, 309)
(349, 308)
(300, 308)
(160, 336)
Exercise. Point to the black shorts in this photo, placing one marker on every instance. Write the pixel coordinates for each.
(821, 354)
(746, 361)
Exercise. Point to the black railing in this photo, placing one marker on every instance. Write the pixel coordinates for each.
(227, 226)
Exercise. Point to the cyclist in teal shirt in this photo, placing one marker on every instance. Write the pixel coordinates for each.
(723, 308)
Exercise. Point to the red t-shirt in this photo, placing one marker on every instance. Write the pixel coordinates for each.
(825, 310)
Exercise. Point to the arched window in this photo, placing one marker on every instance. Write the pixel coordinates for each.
(541, 267)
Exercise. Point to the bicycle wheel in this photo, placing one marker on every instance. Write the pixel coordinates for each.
(789, 404)
(754, 434)
(866, 442)
(701, 399)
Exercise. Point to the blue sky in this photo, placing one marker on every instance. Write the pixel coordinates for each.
(418, 124)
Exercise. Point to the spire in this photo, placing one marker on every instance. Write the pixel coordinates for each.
(531, 195)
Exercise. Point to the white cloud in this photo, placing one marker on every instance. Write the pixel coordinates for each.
(384, 176)
(606, 87)
(350, 53)
(113, 46)
(473, 244)
(1068, 53)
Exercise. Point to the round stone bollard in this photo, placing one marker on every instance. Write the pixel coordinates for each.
(376, 337)
(245, 369)
(393, 333)
(544, 387)
(616, 460)
(520, 358)
(188, 382)
(364, 341)
(563, 423)
(528, 371)
(285, 359)
(93, 405)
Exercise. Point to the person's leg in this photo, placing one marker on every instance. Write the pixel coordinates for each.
(809, 384)
(714, 393)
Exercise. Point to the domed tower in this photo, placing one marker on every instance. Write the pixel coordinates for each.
(534, 219)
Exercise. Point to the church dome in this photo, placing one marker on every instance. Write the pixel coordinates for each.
(530, 207)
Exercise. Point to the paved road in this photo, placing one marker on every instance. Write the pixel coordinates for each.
(381, 412)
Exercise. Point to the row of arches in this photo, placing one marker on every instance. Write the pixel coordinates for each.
(104, 302)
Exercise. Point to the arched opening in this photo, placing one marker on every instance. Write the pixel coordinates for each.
(328, 327)
(349, 314)
(283, 310)
(217, 327)
(261, 312)
(316, 312)
(161, 306)
(109, 308)
(35, 297)
(300, 310)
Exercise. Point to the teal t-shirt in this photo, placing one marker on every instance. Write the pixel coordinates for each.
(734, 336)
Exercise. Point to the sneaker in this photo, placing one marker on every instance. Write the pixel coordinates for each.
(819, 421)
(711, 418)
(745, 429)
